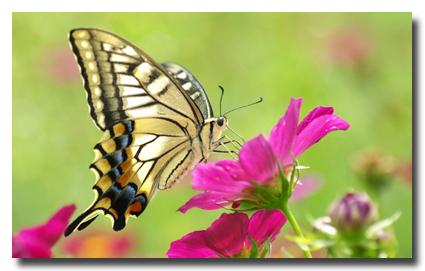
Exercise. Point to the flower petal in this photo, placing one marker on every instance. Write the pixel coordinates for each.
(227, 234)
(192, 245)
(234, 169)
(257, 159)
(265, 224)
(36, 242)
(54, 228)
(283, 134)
(211, 177)
(313, 114)
(316, 130)
(29, 247)
(305, 187)
(204, 201)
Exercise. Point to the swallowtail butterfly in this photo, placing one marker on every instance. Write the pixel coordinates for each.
(156, 120)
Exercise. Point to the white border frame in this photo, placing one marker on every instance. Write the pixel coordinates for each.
(9, 6)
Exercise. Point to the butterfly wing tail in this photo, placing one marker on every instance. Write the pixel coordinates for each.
(117, 203)
(82, 221)
(127, 205)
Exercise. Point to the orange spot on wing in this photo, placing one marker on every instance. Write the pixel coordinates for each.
(119, 129)
(135, 207)
(127, 164)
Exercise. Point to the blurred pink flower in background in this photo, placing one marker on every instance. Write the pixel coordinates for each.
(228, 181)
(305, 187)
(61, 66)
(379, 169)
(100, 244)
(37, 241)
(405, 171)
(348, 46)
(228, 236)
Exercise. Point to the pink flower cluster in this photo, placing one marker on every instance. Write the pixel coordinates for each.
(260, 162)
(228, 181)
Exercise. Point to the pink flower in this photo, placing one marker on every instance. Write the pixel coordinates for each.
(228, 181)
(37, 241)
(100, 244)
(228, 236)
(305, 187)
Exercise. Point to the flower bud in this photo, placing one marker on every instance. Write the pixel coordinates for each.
(355, 211)
(375, 168)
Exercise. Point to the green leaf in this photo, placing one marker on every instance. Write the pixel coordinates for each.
(375, 228)
(302, 242)
(266, 249)
(254, 247)
(299, 167)
(323, 225)
(312, 243)
(284, 185)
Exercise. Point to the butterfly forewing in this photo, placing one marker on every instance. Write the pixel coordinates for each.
(123, 82)
(192, 86)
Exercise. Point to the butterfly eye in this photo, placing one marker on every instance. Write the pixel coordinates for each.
(220, 121)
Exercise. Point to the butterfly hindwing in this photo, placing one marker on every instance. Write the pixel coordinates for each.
(130, 161)
(122, 82)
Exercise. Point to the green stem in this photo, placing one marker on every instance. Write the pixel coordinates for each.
(295, 227)
(287, 187)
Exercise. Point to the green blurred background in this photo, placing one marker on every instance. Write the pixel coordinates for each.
(360, 63)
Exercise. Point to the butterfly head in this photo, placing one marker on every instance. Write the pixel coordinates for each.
(219, 124)
(212, 132)
(221, 121)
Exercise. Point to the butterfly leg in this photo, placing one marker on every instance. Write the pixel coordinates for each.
(237, 134)
(232, 153)
(236, 144)
(220, 143)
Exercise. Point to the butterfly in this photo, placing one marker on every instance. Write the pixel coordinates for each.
(156, 119)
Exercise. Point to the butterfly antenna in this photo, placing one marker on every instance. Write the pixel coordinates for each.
(221, 96)
(260, 99)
